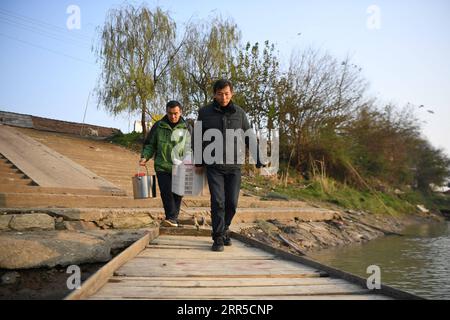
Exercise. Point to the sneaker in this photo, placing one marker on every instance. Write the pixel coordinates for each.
(169, 223)
(217, 245)
(227, 239)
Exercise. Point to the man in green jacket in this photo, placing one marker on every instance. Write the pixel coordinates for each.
(160, 143)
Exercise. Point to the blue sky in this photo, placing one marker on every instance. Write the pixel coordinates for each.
(49, 70)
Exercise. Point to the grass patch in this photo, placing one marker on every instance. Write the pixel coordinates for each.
(328, 191)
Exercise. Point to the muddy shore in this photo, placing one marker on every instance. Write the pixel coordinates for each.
(300, 237)
(40, 284)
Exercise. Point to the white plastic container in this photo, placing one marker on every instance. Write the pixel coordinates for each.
(187, 182)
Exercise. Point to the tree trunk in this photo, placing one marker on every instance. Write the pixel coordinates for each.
(143, 122)
(205, 96)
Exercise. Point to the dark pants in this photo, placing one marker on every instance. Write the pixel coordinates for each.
(224, 186)
(171, 201)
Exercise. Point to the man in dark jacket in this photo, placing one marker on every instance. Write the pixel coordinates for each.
(159, 143)
(223, 171)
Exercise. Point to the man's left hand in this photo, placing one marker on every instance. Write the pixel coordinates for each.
(260, 165)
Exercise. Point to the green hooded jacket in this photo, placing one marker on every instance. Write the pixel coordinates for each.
(159, 143)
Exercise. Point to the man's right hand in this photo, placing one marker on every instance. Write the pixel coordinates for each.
(143, 162)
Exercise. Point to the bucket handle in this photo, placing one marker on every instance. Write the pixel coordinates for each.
(139, 169)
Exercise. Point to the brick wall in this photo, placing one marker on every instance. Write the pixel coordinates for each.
(72, 127)
(45, 124)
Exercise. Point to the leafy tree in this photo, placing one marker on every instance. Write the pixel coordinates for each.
(316, 98)
(432, 166)
(137, 47)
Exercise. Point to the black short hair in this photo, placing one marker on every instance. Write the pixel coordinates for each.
(222, 83)
(172, 104)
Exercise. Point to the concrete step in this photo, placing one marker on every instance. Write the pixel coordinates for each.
(113, 178)
(16, 175)
(4, 165)
(188, 215)
(9, 170)
(21, 200)
(114, 171)
(32, 189)
(15, 181)
(3, 160)
(97, 159)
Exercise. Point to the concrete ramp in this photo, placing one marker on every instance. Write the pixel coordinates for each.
(46, 167)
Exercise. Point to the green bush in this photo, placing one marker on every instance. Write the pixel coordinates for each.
(133, 140)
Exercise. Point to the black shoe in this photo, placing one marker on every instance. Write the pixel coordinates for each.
(227, 239)
(218, 244)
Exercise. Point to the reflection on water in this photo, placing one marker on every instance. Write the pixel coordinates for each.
(418, 262)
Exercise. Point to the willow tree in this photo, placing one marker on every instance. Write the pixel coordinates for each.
(137, 47)
(207, 55)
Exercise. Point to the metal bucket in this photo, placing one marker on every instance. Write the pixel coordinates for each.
(144, 186)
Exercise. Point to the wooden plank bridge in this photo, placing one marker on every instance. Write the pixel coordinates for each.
(177, 266)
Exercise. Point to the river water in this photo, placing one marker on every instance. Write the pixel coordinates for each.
(418, 262)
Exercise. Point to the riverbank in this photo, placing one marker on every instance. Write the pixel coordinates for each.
(351, 227)
(362, 215)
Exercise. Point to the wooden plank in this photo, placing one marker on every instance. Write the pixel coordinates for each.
(169, 251)
(183, 237)
(115, 290)
(211, 272)
(219, 282)
(203, 249)
(192, 243)
(133, 272)
(213, 265)
(46, 167)
(201, 269)
(186, 231)
(179, 247)
(293, 297)
(164, 254)
(100, 278)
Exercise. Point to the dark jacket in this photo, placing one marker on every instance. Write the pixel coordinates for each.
(232, 117)
(159, 144)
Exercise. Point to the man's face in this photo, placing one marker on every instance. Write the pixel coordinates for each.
(174, 114)
(223, 96)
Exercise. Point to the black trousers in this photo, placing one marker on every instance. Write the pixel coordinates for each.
(171, 201)
(224, 186)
